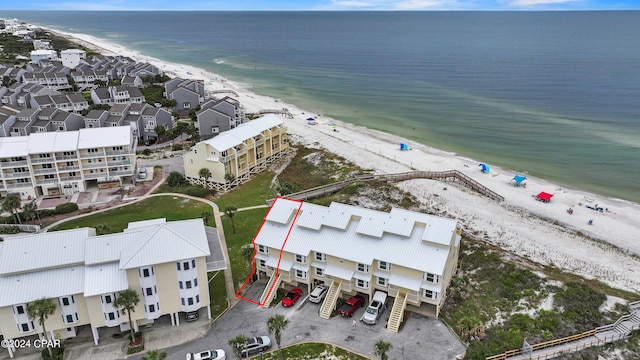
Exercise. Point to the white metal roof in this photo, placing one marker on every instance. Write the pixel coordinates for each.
(239, 134)
(106, 248)
(405, 282)
(49, 142)
(26, 287)
(104, 136)
(161, 243)
(42, 251)
(144, 223)
(104, 278)
(14, 146)
(339, 272)
(411, 239)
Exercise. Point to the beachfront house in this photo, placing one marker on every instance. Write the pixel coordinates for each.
(7, 118)
(24, 120)
(218, 116)
(95, 119)
(408, 255)
(82, 273)
(188, 94)
(71, 58)
(37, 55)
(64, 162)
(233, 156)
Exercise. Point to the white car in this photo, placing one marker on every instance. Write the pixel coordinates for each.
(318, 293)
(142, 173)
(207, 355)
(255, 345)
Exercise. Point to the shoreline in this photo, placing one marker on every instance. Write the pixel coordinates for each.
(527, 227)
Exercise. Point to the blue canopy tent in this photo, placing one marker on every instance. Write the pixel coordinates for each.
(484, 168)
(519, 179)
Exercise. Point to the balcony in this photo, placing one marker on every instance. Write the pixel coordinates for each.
(70, 178)
(9, 164)
(19, 185)
(39, 160)
(13, 175)
(94, 176)
(119, 162)
(45, 171)
(99, 153)
(66, 157)
(46, 181)
(94, 165)
(119, 152)
(121, 173)
(69, 168)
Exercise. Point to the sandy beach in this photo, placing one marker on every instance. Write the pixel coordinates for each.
(608, 250)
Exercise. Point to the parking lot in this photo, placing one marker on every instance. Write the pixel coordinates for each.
(420, 338)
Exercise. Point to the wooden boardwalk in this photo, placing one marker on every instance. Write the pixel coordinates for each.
(451, 175)
(619, 330)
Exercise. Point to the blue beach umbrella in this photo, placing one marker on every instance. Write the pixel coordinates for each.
(484, 168)
(519, 179)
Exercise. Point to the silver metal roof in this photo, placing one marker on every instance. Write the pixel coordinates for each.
(104, 136)
(238, 135)
(104, 278)
(411, 239)
(27, 287)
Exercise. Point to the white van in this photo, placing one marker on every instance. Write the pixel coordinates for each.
(375, 309)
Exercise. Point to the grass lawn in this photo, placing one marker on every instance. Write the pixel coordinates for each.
(170, 207)
(312, 351)
(217, 293)
(252, 193)
(247, 225)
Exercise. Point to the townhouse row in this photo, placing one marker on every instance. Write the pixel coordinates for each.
(410, 256)
(164, 262)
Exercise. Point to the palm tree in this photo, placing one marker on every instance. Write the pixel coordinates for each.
(102, 229)
(206, 216)
(30, 211)
(275, 325)
(11, 204)
(155, 355)
(230, 211)
(126, 301)
(205, 174)
(238, 342)
(381, 348)
(229, 177)
(41, 309)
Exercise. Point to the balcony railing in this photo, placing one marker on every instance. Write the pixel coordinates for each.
(68, 168)
(119, 152)
(45, 171)
(42, 160)
(121, 173)
(66, 157)
(70, 178)
(94, 165)
(46, 181)
(13, 175)
(19, 185)
(94, 176)
(119, 162)
(13, 163)
(99, 153)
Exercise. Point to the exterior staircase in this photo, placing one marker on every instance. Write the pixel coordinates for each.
(272, 285)
(330, 300)
(397, 312)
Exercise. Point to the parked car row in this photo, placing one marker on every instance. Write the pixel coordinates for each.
(254, 345)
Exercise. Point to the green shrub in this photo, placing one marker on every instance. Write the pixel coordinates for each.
(146, 152)
(197, 191)
(47, 212)
(58, 353)
(66, 208)
(176, 179)
(9, 230)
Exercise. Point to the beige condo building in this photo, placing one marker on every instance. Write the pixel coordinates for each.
(234, 155)
(164, 262)
(410, 256)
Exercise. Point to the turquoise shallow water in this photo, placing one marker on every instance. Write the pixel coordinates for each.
(553, 94)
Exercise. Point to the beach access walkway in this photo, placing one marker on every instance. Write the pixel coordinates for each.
(619, 330)
(451, 175)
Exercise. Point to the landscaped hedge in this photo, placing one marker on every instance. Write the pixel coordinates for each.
(66, 208)
(9, 230)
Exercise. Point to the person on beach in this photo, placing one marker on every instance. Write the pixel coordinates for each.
(354, 324)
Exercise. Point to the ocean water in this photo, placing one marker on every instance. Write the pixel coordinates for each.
(551, 94)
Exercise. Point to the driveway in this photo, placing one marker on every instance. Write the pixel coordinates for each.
(420, 338)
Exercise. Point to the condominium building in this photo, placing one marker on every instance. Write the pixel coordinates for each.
(164, 262)
(233, 156)
(56, 163)
(409, 255)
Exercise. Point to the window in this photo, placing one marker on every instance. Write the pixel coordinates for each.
(182, 301)
(69, 319)
(186, 105)
(383, 265)
(197, 299)
(25, 327)
(193, 263)
(49, 176)
(362, 284)
(362, 267)
(92, 150)
(145, 272)
(65, 301)
(180, 284)
(382, 281)
(44, 156)
(263, 249)
(112, 316)
(301, 259)
(215, 129)
(301, 274)
(20, 309)
(262, 263)
(107, 299)
(185, 265)
(319, 272)
(149, 291)
(431, 278)
(195, 282)
(152, 308)
(116, 148)
(429, 294)
(47, 166)
(190, 301)
(178, 265)
(188, 284)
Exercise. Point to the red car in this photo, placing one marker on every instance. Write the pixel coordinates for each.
(351, 305)
(291, 297)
